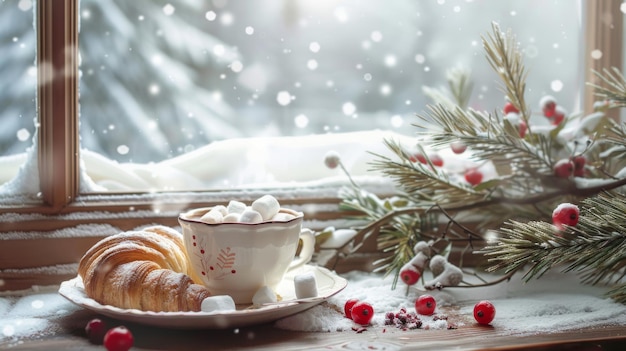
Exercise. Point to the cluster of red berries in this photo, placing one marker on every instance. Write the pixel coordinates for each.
(434, 158)
(115, 339)
(425, 305)
(573, 166)
(403, 320)
(360, 312)
(551, 110)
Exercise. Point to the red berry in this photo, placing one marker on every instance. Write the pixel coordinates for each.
(409, 274)
(579, 165)
(473, 176)
(118, 339)
(425, 305)
(509, 107)
(95, 330)
(436, 160)
(362, 313)
(548, 106)
(565, 213)
(564, 168)
(484, 312)
(523, 127)
(418, 157)
(458, 147)
(347, 308)
(558, 116)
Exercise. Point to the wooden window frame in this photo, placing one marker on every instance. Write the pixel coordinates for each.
(62, 206)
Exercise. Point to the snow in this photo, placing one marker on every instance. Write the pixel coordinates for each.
(268, 162)
(556, 302)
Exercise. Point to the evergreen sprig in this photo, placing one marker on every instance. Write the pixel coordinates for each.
(517, 203)
(595, 248)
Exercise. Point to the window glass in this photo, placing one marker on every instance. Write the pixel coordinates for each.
(208, 94)
(18, 77)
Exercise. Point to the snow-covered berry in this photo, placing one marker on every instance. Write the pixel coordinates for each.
(548, 105)
(473, 176)
(451, 276)
(409, 274)
(523, 128)
(332, 159)
(509, 107)
(458, 147)
(558, 116)
(421, 246)
(565, 213)
(564, 168)
(579, 165)
(436, 160)
(418, 157)
(437, 264)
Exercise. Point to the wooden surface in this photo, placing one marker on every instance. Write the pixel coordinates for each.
(67, 333)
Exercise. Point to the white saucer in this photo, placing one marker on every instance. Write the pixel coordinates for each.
(328, 284)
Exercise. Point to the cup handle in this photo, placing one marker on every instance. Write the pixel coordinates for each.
(307, 250)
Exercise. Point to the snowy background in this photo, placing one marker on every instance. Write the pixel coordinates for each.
(162, 79)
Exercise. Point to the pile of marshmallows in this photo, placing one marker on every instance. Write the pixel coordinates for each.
(266, 208)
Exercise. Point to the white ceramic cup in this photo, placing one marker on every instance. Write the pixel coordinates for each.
(238, 259)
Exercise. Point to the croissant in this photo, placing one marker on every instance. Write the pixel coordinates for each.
(146, 270)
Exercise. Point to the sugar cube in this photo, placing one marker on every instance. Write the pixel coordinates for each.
(218, 303)
(305, 285)
(264, 295)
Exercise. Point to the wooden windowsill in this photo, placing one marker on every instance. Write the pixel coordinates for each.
(67, 333)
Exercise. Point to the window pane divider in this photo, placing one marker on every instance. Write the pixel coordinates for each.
(57, 102)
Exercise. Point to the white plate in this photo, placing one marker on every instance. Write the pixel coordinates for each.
(328, 284)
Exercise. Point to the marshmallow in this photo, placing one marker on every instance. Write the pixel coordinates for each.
(305, 285)
(221, 209)
(282, 217)
(267, 206)
(236, 207)
(264, 295)
(213, 216)
(218, 303)
(250, 216)
(231, 218)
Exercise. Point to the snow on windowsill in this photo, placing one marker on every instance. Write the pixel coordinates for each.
(253, 164)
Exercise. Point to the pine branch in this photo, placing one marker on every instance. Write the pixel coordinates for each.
(506, 60)
(615, 90)
(424, 184)
(460, 85)
(596, 247)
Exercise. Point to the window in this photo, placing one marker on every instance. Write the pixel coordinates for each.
(166, 86)
(32, 226)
